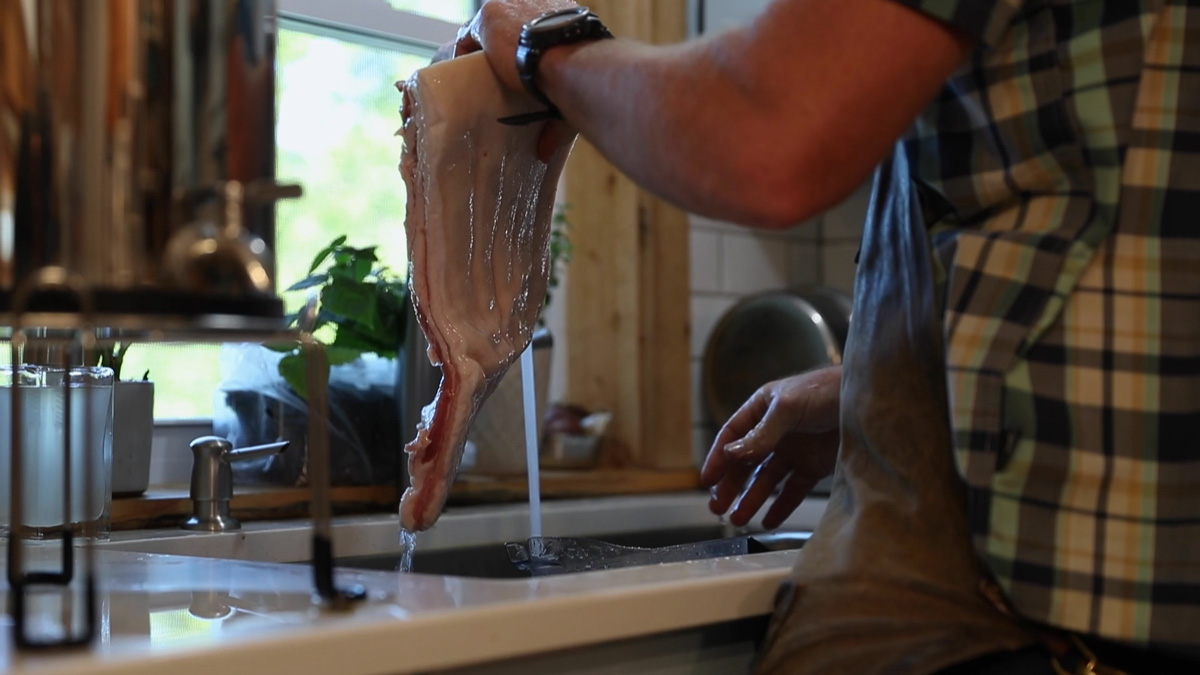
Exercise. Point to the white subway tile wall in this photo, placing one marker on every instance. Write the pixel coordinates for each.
(729, 262)
(806, 264)
(754, 263)
(705, 263)
(706, 311)
(837, 261)
(845, 221)
(841, 230)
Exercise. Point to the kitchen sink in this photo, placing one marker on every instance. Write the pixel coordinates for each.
(467, 541)
(492, 561)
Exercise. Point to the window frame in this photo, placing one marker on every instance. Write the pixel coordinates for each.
(370, 18)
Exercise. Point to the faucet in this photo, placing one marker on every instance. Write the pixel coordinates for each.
(212, 481)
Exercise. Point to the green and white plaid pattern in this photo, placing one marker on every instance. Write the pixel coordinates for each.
(1060, 175)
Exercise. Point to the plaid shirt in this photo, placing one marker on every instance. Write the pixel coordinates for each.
(1060, 174)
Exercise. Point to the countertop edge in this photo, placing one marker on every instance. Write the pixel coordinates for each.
(458, 638)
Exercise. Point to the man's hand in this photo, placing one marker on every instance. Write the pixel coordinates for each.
(496, 29)
(787, 431)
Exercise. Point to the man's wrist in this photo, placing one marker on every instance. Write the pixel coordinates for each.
(553, 36)
(554, 62)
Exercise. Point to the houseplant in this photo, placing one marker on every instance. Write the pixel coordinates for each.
(132, 424)
(361, 316)
(560, 254)
(365, 305)
(363, 309)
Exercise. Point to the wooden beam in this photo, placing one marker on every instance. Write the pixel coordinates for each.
(603, 300)
(627, 309)
(666, 343)
(666, 309)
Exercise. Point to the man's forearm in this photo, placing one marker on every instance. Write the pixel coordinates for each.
(766, 125)
(669, 117)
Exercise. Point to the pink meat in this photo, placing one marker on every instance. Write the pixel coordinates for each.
(478, 225)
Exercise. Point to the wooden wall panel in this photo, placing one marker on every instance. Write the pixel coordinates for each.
(603, 299)
(628, 295)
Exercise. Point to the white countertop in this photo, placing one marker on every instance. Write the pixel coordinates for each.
(151, 604)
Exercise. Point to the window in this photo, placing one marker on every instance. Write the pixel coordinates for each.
(454, 11)
(337, 116)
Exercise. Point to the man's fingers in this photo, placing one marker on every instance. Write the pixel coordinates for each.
(768, 475)
(468, 37)
(729, 487)
(737, 426)
(761, 440)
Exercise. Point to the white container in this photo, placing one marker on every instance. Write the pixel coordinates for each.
(46, 426)
(499, 430)
(133, 427)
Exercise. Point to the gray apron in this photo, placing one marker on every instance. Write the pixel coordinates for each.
(890, 583)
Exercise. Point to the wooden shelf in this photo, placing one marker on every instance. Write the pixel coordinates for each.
(168, 506)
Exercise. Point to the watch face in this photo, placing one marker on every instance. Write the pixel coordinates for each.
(558, 19)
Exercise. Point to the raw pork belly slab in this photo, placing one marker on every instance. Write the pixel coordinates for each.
(478, 225)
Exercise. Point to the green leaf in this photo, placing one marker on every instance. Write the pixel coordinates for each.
(377, 340)
(362, 267)
(341, 355)
(292, 370)
(390, 302)
(367, 253)
(325, 252)
(309, 282)
(350, 300)
(350, 339)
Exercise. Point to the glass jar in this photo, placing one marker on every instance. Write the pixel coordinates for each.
(60, 409)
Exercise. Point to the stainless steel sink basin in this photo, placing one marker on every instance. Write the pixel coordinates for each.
(492, 561)
(467, 541)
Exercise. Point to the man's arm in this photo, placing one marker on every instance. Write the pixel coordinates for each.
(766, 125)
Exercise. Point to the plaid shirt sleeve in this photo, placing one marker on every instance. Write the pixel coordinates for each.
(985, 20)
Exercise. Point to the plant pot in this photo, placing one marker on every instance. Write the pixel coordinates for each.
(133, 426)
(499, 430)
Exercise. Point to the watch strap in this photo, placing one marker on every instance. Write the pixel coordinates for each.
(533, 45)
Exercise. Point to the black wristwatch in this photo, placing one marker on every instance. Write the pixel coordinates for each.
(552, 29)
